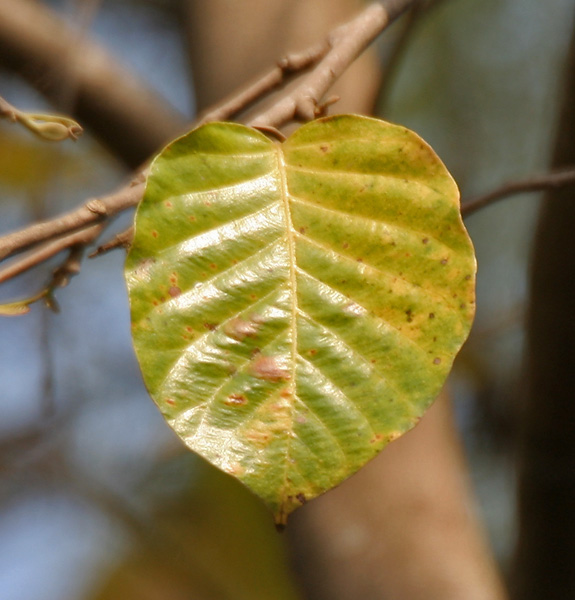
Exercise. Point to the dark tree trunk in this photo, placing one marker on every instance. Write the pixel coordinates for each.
(545, 560)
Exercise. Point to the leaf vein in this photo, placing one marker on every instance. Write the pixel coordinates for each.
(365, 266)
(337, 172)
(345, 399)
(348, 216)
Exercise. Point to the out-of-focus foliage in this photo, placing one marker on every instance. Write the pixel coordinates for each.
(213, 540)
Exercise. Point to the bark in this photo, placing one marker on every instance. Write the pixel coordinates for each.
(121, 111)
(545, 560)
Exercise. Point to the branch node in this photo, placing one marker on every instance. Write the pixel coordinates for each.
(120, 240)
(97, 207)
(139, 178)
(321, 109)
(305, 108)
(298, 61)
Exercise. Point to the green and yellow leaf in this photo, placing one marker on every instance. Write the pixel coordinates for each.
(296, 306)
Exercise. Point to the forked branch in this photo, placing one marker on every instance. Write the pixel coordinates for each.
(318, 67)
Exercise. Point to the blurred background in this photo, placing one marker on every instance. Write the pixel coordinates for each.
(98, 500)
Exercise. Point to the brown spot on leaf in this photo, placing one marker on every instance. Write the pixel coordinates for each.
(174, 291)
(210, 326)
(345, 245)
(236, 400)
(437, 361)
(154, 233)
(425, 240)
(378, 437)
(192, 218)
(169, 401)
(302, 230)
(239, 328)
(324, 148)
(168, 204)
(301, 498)
(432, 315)
(443, 261)
(312, 352)
(409, 315)
(213, 266)
(268, 367)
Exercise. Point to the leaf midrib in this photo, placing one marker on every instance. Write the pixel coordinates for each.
(284, 198)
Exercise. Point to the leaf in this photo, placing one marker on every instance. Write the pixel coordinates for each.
(20, 307)
(297, 306)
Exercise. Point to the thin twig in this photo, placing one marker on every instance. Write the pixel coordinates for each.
(346, 43)
(46, 251)
(120, 240)
(93, 211)
(304, 102)
(533, 184)
(274, 78)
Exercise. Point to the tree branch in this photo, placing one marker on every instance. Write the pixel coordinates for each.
(50, 249)
(539, 183)
(93, 211)
(265, 84)
(346, 43)
(84, 224)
